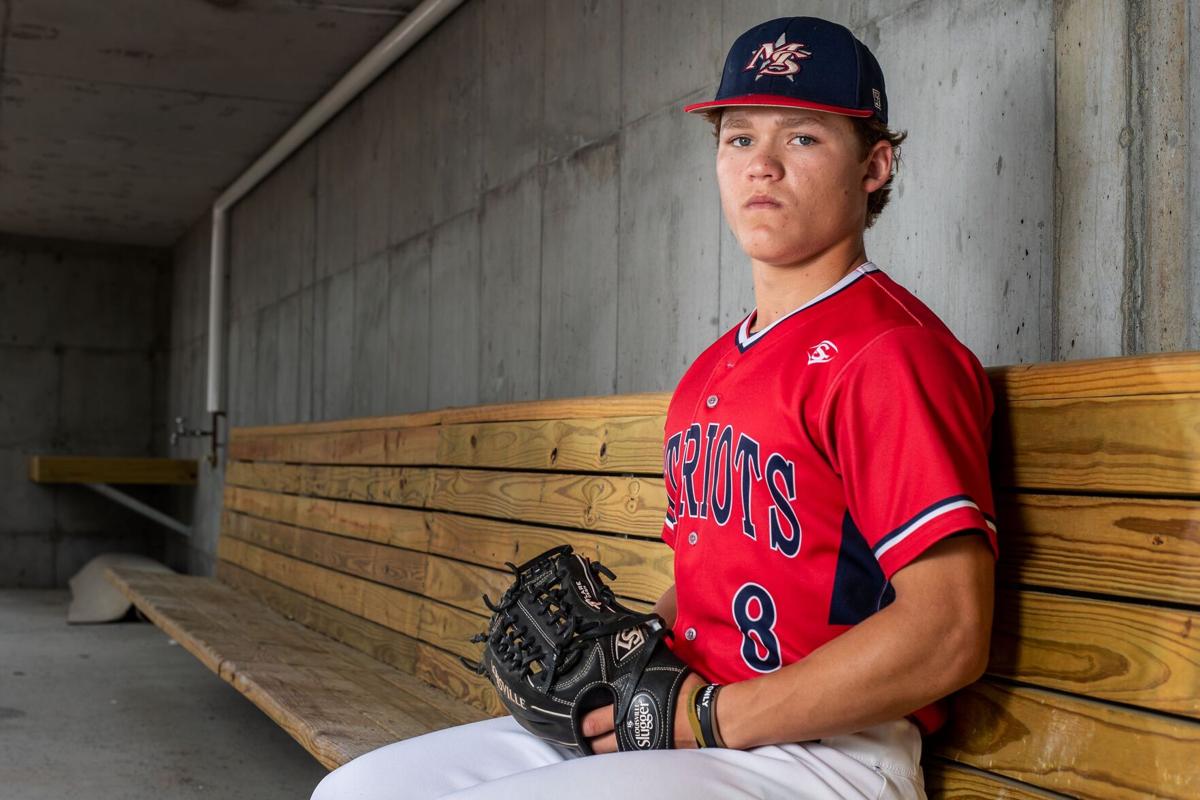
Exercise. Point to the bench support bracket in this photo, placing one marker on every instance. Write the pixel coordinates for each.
(140, 507)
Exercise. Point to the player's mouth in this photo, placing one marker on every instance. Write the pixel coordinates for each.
(762, 202)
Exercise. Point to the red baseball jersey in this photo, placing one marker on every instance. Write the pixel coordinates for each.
(807, 462)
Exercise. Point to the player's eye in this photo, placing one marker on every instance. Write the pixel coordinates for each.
(739, 141)
(803, 140)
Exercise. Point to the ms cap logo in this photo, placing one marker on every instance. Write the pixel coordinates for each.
(779, 58)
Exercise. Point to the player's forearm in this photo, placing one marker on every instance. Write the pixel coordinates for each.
(900, 659)
(665, 607)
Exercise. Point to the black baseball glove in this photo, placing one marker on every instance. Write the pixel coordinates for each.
(559, 645)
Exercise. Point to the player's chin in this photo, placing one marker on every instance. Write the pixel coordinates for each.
(771, 247)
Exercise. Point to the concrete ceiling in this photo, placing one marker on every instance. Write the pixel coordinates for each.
(122, 120)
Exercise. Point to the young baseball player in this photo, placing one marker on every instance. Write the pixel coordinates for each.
(829, 500)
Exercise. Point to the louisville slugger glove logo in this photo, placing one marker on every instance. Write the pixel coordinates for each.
(627, 642)
(643, 720)
(505, 690)
(778, 58)
(822, 353)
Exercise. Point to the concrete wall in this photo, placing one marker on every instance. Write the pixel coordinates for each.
(519, 209)
(82, 372)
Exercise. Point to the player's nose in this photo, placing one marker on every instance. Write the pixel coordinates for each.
(765, 165)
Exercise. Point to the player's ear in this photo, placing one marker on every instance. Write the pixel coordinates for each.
(878, 166)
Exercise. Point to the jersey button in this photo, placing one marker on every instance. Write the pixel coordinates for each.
(693, 537)
(711, 402)
(690, 634)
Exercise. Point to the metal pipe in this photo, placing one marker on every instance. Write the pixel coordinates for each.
(400, 40)
(140, 507)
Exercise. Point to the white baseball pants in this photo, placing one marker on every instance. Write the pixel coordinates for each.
(497, 759)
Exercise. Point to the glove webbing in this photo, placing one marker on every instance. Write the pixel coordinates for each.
(511, 642)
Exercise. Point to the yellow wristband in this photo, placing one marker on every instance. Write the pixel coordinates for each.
(692, 718)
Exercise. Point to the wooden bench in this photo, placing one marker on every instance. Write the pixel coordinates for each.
(373, 540)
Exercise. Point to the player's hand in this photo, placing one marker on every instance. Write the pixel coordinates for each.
(598, 723)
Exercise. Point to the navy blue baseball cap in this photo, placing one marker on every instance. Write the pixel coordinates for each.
(801, 62)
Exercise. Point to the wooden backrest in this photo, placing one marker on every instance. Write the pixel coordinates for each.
(384, 532)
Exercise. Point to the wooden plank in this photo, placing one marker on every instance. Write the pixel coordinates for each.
(438, 668)
(393, 566)
(644, 566)
(377, 446)
(618, 504)
(399, 527)
(1159, 373)
(415, 420)
(337, 702)
(376, 641)
(948, 781)
(648, 404)
(1124, 652)
(616, 444)
(384, 605)
(1140, 548)
(614, 503)
(93, 469)
(1123, 445)
(1071, 745)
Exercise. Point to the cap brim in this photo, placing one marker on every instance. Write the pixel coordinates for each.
(777, 101)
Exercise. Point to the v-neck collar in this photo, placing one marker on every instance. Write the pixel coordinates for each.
(745, 339)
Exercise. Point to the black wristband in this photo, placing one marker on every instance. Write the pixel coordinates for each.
(706, 700)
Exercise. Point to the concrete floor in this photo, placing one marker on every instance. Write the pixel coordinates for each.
(118, 711)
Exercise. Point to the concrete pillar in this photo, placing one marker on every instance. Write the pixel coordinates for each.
(1124, 282)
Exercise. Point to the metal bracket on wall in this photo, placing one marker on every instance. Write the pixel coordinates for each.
(140, 507)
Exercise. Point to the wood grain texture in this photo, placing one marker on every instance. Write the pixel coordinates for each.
(1159, 373)
(612, 444)
(417, 445)
(378, 642)
(1124, 652)
(438, 668)
(337, 702)
(93, 469)
(614, 503)
(617, 504)
(948, 781)
(643, 566)
(1125, 445)
(400, 527)
(1070, 745)
(1138, 548)
(404, 569)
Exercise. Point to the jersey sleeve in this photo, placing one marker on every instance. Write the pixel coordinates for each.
(908, 427)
